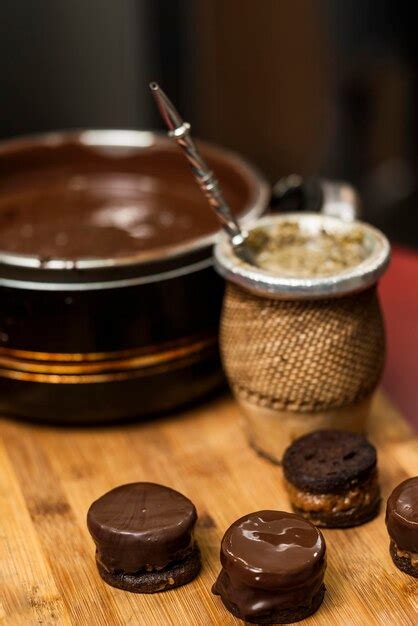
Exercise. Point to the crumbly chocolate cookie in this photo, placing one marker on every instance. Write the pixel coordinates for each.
(172, 576)
(331, 478)
(144, 538)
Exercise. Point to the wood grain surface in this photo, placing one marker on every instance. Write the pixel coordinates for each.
(49, 476)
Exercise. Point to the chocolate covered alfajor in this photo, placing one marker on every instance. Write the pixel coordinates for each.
(331, 478)
(144, 538)
(273, 566)
(402, 525)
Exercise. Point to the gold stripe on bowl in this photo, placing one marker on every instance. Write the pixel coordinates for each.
(101, 367)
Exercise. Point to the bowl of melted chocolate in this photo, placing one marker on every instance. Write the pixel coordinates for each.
(109, 303)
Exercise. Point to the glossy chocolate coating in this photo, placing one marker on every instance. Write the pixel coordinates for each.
(402, 515)
(74, 201)
(271, 560)
(141, 526)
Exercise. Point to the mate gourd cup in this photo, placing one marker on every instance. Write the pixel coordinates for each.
(303, 353)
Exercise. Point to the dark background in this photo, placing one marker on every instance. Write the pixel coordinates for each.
(314, 86)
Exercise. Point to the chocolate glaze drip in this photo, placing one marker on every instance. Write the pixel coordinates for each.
(402, 515)
(271, 560)
(141, 526)
(72, 201)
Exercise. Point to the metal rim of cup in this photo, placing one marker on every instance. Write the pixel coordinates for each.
(284, 287)
(142, 265)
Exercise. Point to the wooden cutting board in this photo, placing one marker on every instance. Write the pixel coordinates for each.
(49, 477)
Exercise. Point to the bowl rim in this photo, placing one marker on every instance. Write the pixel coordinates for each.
(285, 287)
(129, 139)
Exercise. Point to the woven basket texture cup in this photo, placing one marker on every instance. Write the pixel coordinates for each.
(298, 364)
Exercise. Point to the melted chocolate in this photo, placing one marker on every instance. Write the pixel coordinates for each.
(72, 201)
(141, 526)
(402, 515)
(271, 560)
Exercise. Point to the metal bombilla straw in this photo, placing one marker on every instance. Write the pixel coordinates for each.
(179, 130)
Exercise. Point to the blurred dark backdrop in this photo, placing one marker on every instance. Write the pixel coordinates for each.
(313, 86)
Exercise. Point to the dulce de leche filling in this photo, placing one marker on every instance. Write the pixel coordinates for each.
(356, 497)
(406, 554)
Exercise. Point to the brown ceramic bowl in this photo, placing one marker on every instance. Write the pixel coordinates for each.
(99, 328)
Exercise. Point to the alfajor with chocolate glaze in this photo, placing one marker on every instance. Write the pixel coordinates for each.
(273, 566)
(144, 538)
(331, 478)
(402, 525)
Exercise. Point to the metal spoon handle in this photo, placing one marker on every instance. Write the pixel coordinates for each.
(179, 130)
